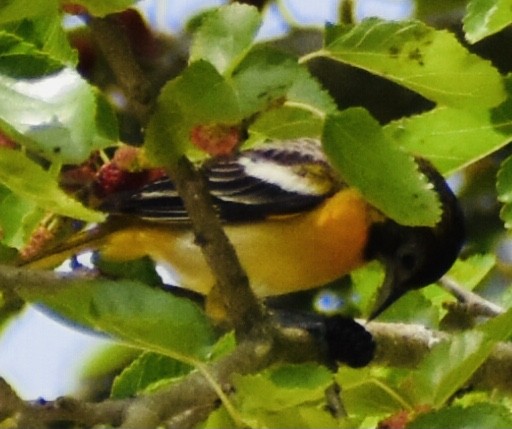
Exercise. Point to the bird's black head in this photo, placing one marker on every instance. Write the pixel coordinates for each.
(417, 256)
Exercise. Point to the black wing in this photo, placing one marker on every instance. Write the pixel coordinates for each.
(274, 179)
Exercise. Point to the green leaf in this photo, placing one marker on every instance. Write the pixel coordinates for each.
(102, 7)
(428, 61)
(16, 10)
(142, 270)
(468, 273)
(108, 360)
(413, 307)
(486, 17)
(45, 39)
(28, 180)
(386, 176)
(199, 96)
(284, 123)
(225, 36)
(450, 364)
(368, 392)
(287, 396)
(366, 281)
(202, 96)
(262, 77)
(58, 116)
(144, 317)
(18, 218)
(307, 93)
(147, 369)
(453, 138)
(477, 416)
(504, 188)
(283, 386)
(471, 271)
(20, 59)
(225, 345)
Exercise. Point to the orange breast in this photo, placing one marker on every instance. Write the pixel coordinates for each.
(280, 255)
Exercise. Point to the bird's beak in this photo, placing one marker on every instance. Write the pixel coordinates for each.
(389, 292)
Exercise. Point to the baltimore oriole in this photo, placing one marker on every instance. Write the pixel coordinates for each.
(294, 223)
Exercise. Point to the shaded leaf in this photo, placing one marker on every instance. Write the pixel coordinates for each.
(102, 8)
(142, 269)
(142, 316)
(428, 61)
(285, 123)
(485, 415)
(386, 176)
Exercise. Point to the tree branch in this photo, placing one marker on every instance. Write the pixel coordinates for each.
(473, 304)
(232, 290)
(405, 345)
(109, 34)
(193, 398)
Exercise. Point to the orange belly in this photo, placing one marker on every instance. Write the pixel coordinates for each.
(280, 255)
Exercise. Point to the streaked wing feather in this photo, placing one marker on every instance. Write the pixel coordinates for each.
(242, 186)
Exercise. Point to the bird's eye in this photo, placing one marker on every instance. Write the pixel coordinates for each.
(408, 260)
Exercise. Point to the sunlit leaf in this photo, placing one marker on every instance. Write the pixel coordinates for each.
(27, 179)
(225, 36)
(199, 96)
(386, 176)
(504, 187)
(428, 61)
(450, 364)
(23, 60)
(18, 218)
(262, 77)
(486, 17)
(471, 271)
(286, 396)
(453, 138)
(366, 392)
(57, 116)
(16, 10)
(147, 369)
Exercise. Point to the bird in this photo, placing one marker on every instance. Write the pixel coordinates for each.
(294, 222)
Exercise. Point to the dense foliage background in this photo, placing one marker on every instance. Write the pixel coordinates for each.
(376, 92)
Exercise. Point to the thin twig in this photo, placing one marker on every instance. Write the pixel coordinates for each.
(473, 303)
